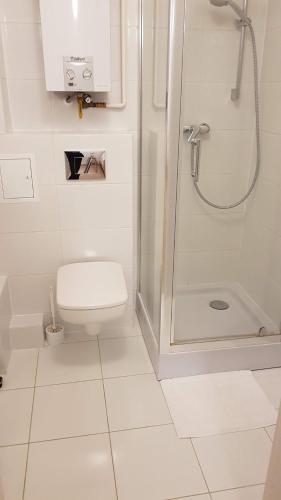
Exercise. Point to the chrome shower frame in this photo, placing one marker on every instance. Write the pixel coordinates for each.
(172, 359)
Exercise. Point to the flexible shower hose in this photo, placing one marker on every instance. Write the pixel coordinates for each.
(257, 115)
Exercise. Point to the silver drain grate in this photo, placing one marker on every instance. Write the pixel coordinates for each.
(219, 305)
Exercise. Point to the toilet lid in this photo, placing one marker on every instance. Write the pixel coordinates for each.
(91, 285)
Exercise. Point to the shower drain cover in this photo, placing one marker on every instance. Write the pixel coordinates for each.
(220, 305)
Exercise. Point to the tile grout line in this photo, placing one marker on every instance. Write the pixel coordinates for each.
(265, 428)
(191, 442)
(29, 434)
(76, 382)
(200, 466)
(18, 388)
(235, 488)
(170, 424)
(197, 495)
(88, 380)
(104, 339)
(62, 438)
(109, 435)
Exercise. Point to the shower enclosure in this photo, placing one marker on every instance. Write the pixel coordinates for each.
(209, 288)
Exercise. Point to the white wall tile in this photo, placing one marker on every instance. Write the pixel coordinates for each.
(270, 157)
(209, 56)
(274, 14)
(271, 71)
(100, 243)
(264, 204)
(23, 50)
(133, 54)
(218, 232)
(258, 12)
(40, 215)
(29, 253)
(116, 53)
(207, 267)
(30, 105)
(99, 205)
(213, 104)
(271, 107)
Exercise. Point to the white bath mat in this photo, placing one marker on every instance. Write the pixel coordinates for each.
(217, 403)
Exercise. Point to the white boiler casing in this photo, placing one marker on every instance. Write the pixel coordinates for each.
(76, 45)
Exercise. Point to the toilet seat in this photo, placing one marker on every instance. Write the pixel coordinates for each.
(91, 285)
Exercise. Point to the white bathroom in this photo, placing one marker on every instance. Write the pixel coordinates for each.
(140, 249)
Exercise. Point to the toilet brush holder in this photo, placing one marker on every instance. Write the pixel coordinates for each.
(55, 334)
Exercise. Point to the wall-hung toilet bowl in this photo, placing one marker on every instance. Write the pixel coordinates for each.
(91, 293)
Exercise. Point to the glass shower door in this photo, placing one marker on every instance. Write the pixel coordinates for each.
(220, 283)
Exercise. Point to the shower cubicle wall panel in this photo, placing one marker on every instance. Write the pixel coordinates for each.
(215, 312)
(155, 37)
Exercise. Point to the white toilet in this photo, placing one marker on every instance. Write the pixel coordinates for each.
(91, 293)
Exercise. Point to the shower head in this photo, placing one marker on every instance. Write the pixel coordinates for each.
(223, 3)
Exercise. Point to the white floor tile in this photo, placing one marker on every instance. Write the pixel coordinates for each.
(153, 464)
(68, 410)
(12, 472)
(271, 431)
(15, 416)
(121, 357)
(118, 333)
(80, 336)
(270, 380)
(234, 460)
(22, 369)
(135, 401)
(71, 469)
(197, 497)
(68, 363)
(250, 493)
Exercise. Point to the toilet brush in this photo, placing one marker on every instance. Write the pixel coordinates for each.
(54, 331)
(52, 304)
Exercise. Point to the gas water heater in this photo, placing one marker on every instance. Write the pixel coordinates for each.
(76, 45)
